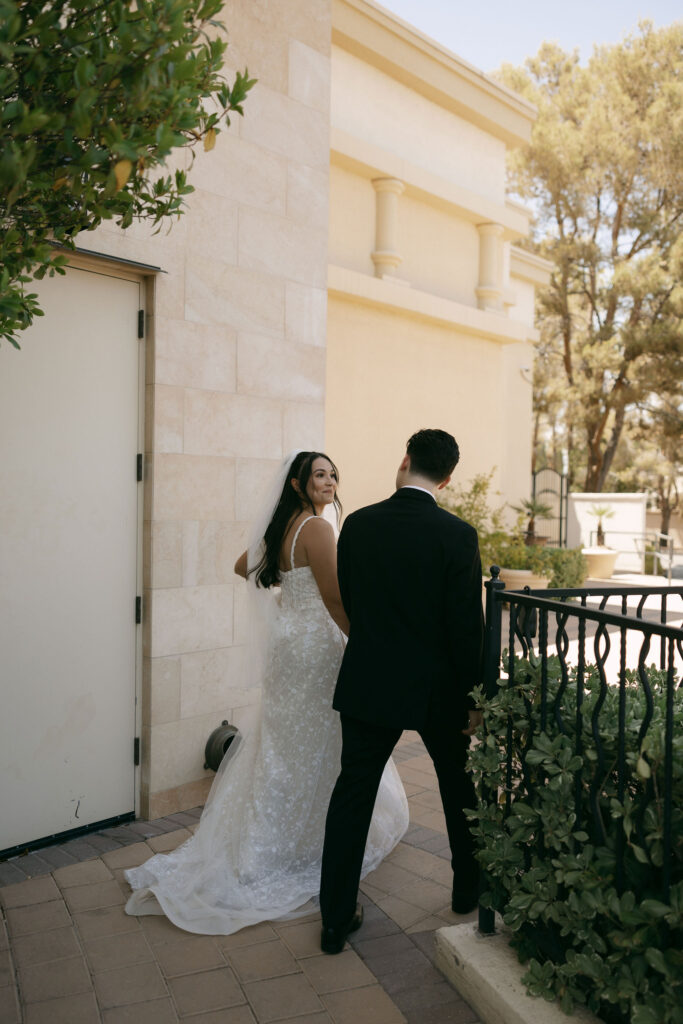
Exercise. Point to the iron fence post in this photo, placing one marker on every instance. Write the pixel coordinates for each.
(491, 673)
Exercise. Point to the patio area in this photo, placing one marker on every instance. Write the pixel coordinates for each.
(70, 955)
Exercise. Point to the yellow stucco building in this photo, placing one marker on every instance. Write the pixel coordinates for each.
(346, 273)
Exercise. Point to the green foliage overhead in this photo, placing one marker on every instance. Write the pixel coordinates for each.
(94, 97)
(553, 875)
(603, 176)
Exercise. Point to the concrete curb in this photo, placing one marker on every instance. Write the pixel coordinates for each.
(487, 974)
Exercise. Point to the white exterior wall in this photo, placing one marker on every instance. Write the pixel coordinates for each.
(624, 530)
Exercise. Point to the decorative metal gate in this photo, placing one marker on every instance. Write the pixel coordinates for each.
(552, 488)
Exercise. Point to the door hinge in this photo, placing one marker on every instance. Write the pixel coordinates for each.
(136, 750)
(141, 323)
(138, 611)
(139, 467)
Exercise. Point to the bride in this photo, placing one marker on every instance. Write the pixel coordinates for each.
(256, 854)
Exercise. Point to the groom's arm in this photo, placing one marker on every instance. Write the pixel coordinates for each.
(465, 613)
(342, 568)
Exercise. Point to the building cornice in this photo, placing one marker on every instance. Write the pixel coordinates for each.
(406, 301)
(371, 161)
(378, 37)
(530, 267)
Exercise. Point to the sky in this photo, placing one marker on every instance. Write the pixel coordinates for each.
(488, 33)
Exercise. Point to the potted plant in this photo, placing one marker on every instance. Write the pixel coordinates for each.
(521, 565)
(600, 558)
(534, 509)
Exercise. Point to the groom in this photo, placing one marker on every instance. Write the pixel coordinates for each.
(410, 580)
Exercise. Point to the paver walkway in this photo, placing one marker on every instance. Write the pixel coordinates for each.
(70, 955)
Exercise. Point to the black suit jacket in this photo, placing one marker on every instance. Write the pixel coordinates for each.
(410, 579)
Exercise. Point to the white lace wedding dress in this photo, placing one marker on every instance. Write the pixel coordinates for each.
(257, 852)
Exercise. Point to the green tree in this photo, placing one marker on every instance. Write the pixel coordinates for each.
(94, 97)
(602, 173)
(653, 459)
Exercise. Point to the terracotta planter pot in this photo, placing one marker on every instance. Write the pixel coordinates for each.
(600, 562)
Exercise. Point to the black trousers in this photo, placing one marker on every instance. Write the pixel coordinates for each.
(366, 749)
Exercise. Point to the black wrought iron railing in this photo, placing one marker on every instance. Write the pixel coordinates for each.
(586, 657)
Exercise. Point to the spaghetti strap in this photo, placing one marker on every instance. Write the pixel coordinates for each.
(296, 537)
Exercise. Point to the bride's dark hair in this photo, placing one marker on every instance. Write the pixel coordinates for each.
(289, 506)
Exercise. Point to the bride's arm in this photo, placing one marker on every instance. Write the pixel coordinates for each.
(241, 565)
(320, 546)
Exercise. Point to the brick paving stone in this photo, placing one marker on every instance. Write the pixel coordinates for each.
(137, 983)
(429, 798)
(234, 1015)
(169, 840)
(57, 856)
(406, 960)
(389, 877)
(427, 924)
(309, 1018)
(274, 998)
(420, 975)
(6, 969)
(208, 990)
(4, 938)
(246, 936)
(76, 1009)
(33, 890)
(337, 973)
(447, 1013)
(383, 945)
(41, 947)
(403, 913)
(302, 939)
(155, 1011)
(264, 960)
(158, 930)
(441, 992)
(369, 1005)
(104, 921)
(375, 924)
(41, 917)
(146, 829)
(127, 856)
(32, 865)
(10, 873)
(426, 943)
(121, 834)
(9, 1005)
(54, 979)
(181, 818)
(84, 873)
(103, 844)
(425, 893)
(81, 849)
(121, 950)
(89, 897)
(190, 954)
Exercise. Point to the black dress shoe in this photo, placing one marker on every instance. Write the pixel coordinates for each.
(332, 939)
(465, 900)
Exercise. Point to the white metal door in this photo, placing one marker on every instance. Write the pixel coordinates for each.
(69, 404)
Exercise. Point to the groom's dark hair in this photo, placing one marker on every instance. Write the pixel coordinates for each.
(434, 454)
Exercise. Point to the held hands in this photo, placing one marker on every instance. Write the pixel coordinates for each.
(475, 718)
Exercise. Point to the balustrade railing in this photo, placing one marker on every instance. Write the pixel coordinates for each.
(596, 652)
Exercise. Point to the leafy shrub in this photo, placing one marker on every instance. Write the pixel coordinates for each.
(507, 547)
(568, 567)
(553, 875)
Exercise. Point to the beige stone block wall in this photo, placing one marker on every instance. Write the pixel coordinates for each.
(235, 377)
(414, 374)
(373, 106)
